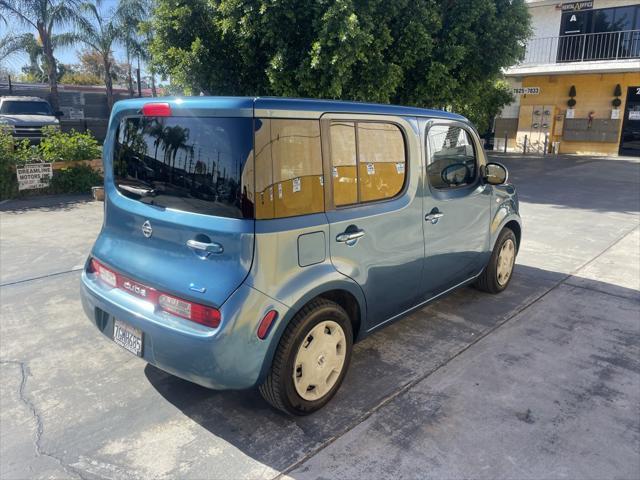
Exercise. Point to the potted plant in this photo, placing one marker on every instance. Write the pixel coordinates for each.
(616, 102)
(571, 102)
(572, 93)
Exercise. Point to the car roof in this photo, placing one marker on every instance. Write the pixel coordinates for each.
(341, 106)
(21, 98)
(263, 106)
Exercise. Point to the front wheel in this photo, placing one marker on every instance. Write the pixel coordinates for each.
(311, 359)
(497, 274)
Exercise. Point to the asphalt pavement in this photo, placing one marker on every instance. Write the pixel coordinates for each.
(541, 381)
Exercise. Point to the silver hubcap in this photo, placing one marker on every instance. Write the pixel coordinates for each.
(506, 259)
(319, 360)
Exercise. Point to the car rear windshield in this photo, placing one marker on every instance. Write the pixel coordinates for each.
(193, 164)
(25, 108)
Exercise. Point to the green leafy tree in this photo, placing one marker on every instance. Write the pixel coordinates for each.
(74, 77)
(444, 53)
(46, 17)
(484, 104)
(91, 63)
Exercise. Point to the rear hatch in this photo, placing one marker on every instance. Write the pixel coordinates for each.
(179, 209)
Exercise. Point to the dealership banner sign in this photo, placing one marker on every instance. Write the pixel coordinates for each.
(34, 175)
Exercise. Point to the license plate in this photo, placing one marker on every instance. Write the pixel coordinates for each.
(128, 337)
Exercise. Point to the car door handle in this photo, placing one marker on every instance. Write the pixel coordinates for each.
(350, 237)
(212, 247)
(433, 217)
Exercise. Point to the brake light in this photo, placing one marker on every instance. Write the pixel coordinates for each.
(195, 312)
(107, 276)
(205, 315)
(191, 311)
(265, 324)
(175, 305)
(156, 110)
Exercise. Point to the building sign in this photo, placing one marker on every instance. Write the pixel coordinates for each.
(34, 175)
(526, 90)
(576, 6)
(634, 115)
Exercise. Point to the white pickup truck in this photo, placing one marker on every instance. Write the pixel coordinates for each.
(26, 116)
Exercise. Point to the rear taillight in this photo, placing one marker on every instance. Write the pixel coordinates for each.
(107, 276)
(195, 312)
(191, 311)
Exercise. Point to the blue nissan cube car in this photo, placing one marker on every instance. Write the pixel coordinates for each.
(251, 241)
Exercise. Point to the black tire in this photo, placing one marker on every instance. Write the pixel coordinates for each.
(488, 279)
(279, 389)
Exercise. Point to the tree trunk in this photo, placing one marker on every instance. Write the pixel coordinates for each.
(108, 83)
(154, 92)
(129, 75)
(138, 79)
(51, 66)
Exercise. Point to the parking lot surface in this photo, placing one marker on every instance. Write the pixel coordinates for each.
(541, 381)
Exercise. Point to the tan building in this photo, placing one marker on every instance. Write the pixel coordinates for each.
(578, 87)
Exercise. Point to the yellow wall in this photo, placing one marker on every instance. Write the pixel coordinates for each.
(594, 93)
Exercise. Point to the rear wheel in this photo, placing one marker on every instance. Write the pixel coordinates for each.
(311, 360)
(497, 274)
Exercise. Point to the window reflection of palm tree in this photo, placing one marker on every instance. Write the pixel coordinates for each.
(156, 130)
(174, 139)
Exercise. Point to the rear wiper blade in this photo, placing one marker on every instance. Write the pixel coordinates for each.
(140, 191)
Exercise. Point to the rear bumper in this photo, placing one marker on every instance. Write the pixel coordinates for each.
(229, 357)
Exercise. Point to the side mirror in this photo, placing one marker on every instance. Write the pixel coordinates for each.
(495, 174)
(59, 113)
(455, 174)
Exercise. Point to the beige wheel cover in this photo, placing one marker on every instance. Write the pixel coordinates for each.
(506, 260)
(320, 360)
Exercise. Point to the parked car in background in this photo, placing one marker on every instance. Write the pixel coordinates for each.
(264, 236)
(26, 116)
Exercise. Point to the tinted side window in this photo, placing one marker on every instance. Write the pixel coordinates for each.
(452, 157)
(368, 161)
(288, 168)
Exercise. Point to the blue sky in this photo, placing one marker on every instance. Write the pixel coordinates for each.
(67, 55)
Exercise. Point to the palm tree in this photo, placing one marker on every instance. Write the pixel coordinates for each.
(46, 16)
(145, 55)
(175, 138)
(156, 130)
(11, 44)
(130, 14)
(37, 68)
(99, 32)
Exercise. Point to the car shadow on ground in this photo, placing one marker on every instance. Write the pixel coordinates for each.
(45, 203)
(386, 362)
(598, 184)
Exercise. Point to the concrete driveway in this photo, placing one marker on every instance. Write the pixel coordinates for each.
(542, 381)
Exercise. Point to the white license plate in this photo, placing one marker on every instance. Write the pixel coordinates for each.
(128, 337)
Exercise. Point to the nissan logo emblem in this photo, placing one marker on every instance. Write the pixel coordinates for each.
(147, 231)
